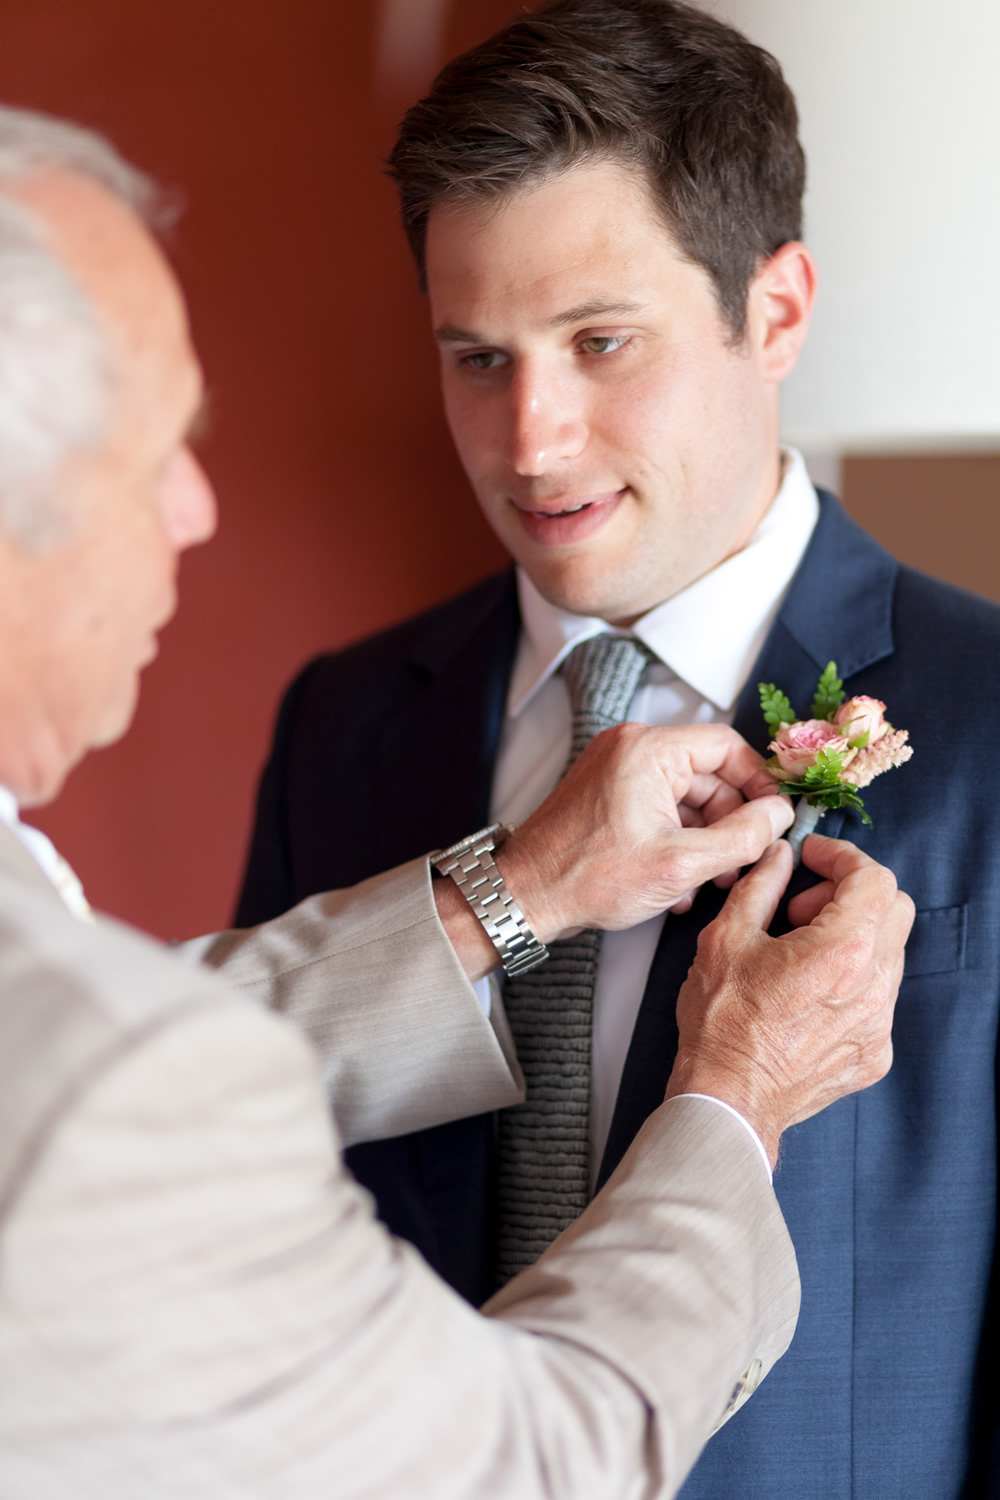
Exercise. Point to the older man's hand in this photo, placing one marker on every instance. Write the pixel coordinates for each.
(643, 818)
(780, 1027)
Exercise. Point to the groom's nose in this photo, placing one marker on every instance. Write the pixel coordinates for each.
(546, 423)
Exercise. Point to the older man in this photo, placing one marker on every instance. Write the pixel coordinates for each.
(196, 1298)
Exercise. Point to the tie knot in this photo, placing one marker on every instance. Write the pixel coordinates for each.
(602, 675)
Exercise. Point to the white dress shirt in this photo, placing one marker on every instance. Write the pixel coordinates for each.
(46, 856)
(705, 641)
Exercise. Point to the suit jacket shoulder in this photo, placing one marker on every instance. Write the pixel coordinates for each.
(383, 751)
(75, 996)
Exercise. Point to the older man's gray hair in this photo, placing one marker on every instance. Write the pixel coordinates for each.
(56, 366)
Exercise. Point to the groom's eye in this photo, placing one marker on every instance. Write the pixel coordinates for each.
(604, 343)
(483, 359)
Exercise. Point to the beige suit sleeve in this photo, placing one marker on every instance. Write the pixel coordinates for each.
(371, 978)
(199, 1303)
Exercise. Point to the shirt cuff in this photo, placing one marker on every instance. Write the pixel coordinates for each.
(485, 990)
(745, 1123)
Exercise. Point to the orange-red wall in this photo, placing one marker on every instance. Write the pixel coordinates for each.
(342, 505)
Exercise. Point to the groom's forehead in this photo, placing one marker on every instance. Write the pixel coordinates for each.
(589, 232)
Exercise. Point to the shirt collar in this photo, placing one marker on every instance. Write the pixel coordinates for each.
(38, 844)
(8, 808)
(711, 632)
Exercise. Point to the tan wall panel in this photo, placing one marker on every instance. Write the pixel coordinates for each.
(939, 513)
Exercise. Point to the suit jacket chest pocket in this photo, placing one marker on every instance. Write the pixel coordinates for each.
(937, 941)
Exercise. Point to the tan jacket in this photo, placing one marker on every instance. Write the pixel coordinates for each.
(196, 1301)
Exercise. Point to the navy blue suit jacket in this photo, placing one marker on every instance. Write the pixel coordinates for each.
(890, 1196)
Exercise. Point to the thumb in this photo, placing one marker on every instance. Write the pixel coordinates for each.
(754, 899)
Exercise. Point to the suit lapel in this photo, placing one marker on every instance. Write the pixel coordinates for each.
(839, 607)
(437, 749)
(433, 771)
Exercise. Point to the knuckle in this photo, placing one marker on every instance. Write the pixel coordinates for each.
(685, 870)
(605, 742)
(881, 1061)
(713, 945)
(623, 736)
(847, 857)
(886, 881)
(850, 961)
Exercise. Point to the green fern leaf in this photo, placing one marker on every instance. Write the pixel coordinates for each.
(829, 693)
(776, 707)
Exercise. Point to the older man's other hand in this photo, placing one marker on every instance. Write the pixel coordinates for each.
(780, 1027)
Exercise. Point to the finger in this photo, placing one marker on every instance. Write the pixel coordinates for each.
(702, 786)
(807, 905)
(864, 891)
(895, 965)
(897, 926)
(715, 749)
(907, 910)
(682, 904)
(702, 854)
(762, 784)
(690, 816)
(737, 839)
(714, 798)
(834, 859)
(726, 879)
(754, 899)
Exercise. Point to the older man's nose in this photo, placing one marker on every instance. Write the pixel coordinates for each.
(190, 514)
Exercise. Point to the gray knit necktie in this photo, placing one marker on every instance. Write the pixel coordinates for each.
(544, 1155)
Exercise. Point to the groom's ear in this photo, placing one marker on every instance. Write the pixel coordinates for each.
(779, 308)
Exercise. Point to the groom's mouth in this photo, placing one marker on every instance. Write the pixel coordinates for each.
(567, 518)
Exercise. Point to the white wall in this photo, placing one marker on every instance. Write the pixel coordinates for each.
(900, 109)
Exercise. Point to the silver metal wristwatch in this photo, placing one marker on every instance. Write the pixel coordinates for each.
(471, 866)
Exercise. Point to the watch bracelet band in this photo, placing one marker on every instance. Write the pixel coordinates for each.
(471, 865)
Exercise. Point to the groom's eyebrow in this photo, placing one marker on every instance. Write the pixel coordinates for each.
(581, 312)
(449, 334)
(597, 307)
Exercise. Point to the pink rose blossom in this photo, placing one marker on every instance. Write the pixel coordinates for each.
(860, 716)
(797, 745)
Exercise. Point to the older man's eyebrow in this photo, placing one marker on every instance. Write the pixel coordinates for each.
(583, 312)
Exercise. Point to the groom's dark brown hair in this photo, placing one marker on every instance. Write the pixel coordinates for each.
(689, 103)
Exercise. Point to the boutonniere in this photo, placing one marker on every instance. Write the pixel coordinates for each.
(827, 759)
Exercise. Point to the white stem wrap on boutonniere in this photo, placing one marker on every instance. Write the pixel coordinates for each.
(825, 760)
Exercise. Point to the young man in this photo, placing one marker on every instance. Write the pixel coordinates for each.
(196, 1300)
(604, 204)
